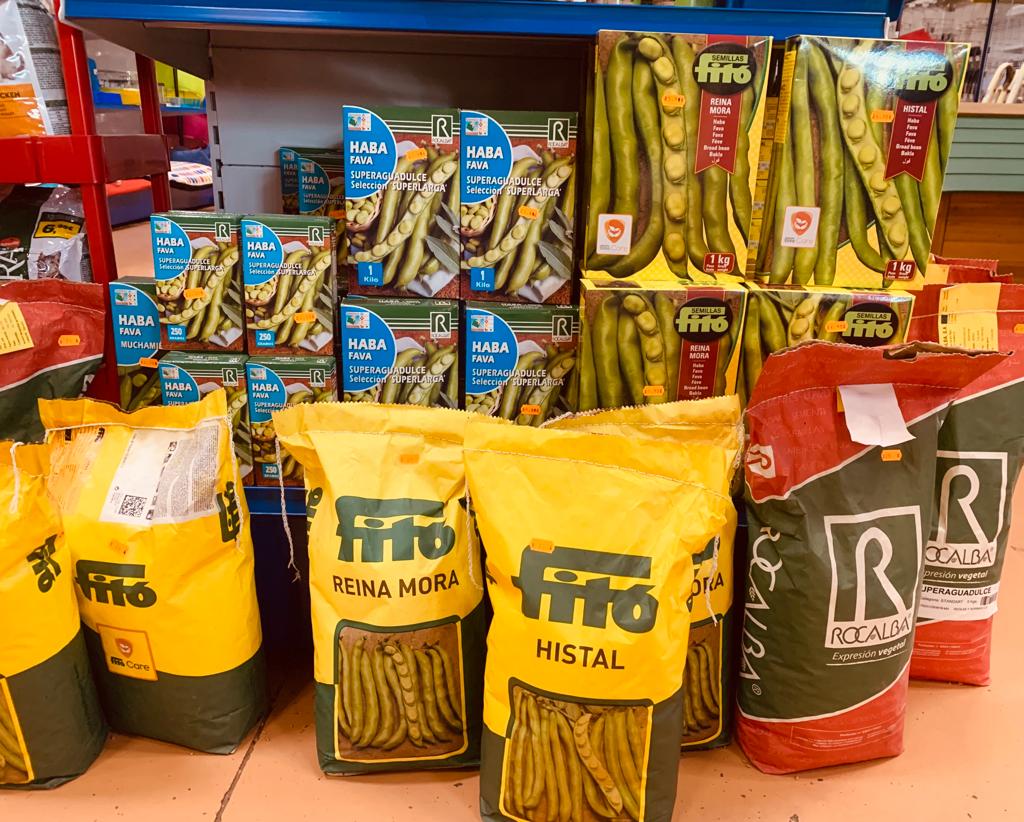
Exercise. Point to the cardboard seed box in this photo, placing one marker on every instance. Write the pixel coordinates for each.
(859, 155)
(198, 280)
(400, 351)
(673, 164)
(273, 383)
(518, 205)
(187, 377)
(784, 316)
(135, 320)
(402, 200)
(520, 360)
(288, 268)
(650, 342)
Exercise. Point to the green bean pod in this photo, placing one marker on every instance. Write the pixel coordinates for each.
(782, 255)
(835, 313)
(665, 308)
(645, 110)
(586, 396)
(611, 390)
(752, 358)
(506, 200)
(772, 331)
(630, 359)
(856, 218)
(830, 160)
(696, 247)
(716, 216)
(652, 346)
(946, 114)
(389, 202)
(622, 133)
(804, 165)
(931, 184)
(739, 180)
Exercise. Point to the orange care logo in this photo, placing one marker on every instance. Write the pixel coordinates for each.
(614, 229)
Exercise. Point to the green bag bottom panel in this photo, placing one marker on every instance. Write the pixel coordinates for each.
(59, 714)
(208, 713)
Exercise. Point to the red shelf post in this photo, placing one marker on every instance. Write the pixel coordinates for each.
(152, 123)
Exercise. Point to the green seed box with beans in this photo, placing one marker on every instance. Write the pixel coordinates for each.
(676, 124)
(859, 152)
(198, 280)
(783, 316)
(520, 360)
(135, 321)
(289, 274)
(187, 377)
(402, 200)
(518, 205)
(274, 383)
(400, 351)
(651, 342)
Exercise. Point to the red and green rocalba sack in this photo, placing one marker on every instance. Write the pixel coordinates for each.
(839, 471)
(981, 448)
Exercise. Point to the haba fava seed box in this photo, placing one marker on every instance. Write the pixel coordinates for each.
(402, 200)
(135, 322)
(400, 351)
(288, 265)
(518, 205)
(675, 128)
(275, 383)
(520, 360)
(187, 377)
(651, 342)
(196, 266)
(860, 150)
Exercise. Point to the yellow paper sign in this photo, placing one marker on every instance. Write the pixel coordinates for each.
(14, 333)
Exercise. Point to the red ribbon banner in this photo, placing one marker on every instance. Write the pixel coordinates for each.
(719, 122)
(913, 123)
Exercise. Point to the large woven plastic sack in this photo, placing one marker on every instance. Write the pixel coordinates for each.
(51, 728)
(839, 476)
(981, 448)
(589, 544)
(709, 677)
(395, 584)
(159, 536)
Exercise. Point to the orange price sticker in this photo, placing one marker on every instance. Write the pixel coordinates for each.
(195, 293)
(67, 340)
(529, 410)
(529, 212)
(148, 362)
(545, 546)
(409, 459)
(883, 115)
(670, 100)
(654, 390)
(892, 455)
(835, 326)
(305, 317)
(336, 213)
(1018, 328)
(414, 154)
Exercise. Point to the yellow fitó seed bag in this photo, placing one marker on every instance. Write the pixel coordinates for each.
(51, 727)
(395, 584)
(709, 674)
(163, 566)
(589, 568)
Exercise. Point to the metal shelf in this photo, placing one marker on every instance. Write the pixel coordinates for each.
(781, 18)
(81, 159)
(266, 502)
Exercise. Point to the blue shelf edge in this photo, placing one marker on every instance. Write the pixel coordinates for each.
(266, 502)
(780, 18)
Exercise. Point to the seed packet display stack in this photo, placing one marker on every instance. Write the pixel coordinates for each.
(781, 317)
(275, 383)
(860, 150)
(676, 131)
(198, 280)
(518, 205)
(288, 265)
(655, 342)
(400, 351)
(187, 377)
(520, 360)
(402, 200)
